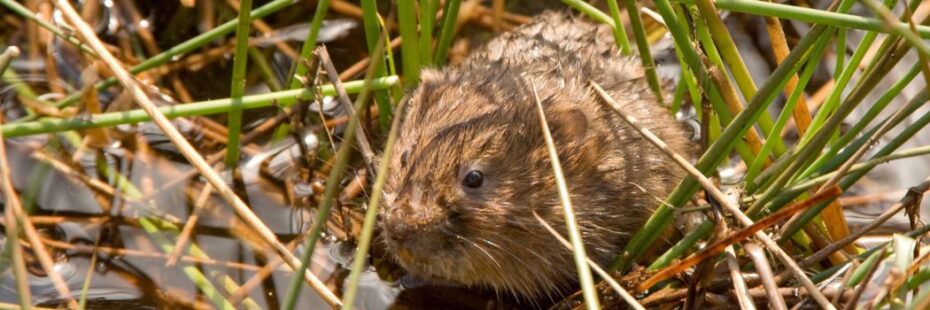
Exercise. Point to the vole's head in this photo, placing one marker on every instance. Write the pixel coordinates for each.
(468, 170)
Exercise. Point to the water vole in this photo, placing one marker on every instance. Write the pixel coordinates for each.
(470, 164)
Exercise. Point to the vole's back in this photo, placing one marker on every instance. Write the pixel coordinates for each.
(552, 37)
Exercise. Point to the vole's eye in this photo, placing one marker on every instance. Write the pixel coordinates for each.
(403, 158)
(473, 179)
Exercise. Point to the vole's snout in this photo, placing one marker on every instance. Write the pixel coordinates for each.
(397, 229)
(410, 226)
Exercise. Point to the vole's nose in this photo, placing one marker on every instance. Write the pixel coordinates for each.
(407, 226)
(398, 225)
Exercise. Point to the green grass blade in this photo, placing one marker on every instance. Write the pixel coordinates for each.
(409, 45)
(787, 112)
(450, 16)
(333, 182)
(645, 55)
(237, 90)
(49, 125)
(185, 47)
(854, 176)
(717, 151)
(809, 15)
(428, 10)
(584, 271)
(371, 22)
(371, 215)
(306, 50)
(620, 37)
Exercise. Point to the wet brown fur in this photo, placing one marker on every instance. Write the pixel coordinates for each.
(482, 115)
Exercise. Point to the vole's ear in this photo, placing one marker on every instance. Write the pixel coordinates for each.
(429, 75)
(569, 127)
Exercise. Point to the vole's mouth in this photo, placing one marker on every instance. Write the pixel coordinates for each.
(433, 256)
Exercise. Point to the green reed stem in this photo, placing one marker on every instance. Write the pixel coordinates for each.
(787, 112)
(264, 68)
(428, 10)
(852, 177)
(873, 112)
(237, 90)
(24, 12)
(306, 50)
(843, 78)
(85, 287)
(409, 45)
(450, 16)
(877, 70)
(372, 24)
(810, 15)
(681, 248)
(591, 11)
(895, 27)
(840, 50)
(728, 50)
(645, 55)
(12, 246)
(47, 125)
(584, 271)
(185, 47)
(620, 37)
(371, 216)
(333, 181)
(828, 273)
(722, 114)
(717, 151)
(878, 107)
(865, 166)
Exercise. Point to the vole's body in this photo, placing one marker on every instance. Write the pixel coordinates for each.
(481, 116)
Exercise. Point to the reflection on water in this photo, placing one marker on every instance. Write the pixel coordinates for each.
(68, 213)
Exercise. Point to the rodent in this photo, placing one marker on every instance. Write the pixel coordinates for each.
(470, 165)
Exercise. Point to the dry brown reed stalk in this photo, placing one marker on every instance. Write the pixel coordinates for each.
(718, 247)
(200, 204)
(751, 228)
(740, 288)
(497, 15)
(80, 248)
(757, 255)
(343, 97)
(853, 264)
(346, 8)
(833, 214)
(356, 186)
(913, 196)
(864, 283)
(43, 156)
(151, 46)
(731, 98)
(265, 29)
(854, 201)
(21, 217)
(584, 271)
(263, 273)
(16, 257)
(594, 266)
(186, 149)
